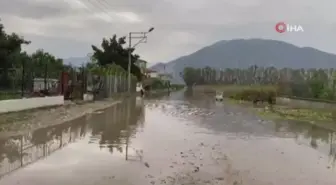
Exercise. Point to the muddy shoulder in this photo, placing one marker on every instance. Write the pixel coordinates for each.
(33, 119)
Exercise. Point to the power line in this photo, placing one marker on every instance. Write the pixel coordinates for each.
(100, 6)
(101, 2)
(106, 3)
(92, 8)
(89, 10)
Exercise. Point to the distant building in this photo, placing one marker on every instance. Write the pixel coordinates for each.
(39, 84)
(151, 73)
(142, 65)
(143, 69)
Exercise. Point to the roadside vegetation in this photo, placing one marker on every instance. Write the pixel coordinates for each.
(18, 69)
(158, 84)
(301, 83)
(302, 114)
(161, 84)
(176, 86)
(320, 117)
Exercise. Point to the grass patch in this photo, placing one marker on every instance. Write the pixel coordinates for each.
(9, 95)
(321, 118)
(324, 118)
(253, 94)
(289, 113)
(311, 115)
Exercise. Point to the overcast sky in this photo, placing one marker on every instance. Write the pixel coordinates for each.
(67, 28)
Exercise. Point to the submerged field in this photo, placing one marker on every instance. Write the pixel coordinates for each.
(244, 95)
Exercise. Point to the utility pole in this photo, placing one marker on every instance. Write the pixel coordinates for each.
(143, 38)
(129, 61)
(23, 78)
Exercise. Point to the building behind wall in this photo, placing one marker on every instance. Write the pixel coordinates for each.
(142, 65)
(43, 84)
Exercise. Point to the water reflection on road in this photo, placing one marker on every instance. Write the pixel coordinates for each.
(171, 139)
(109, 130)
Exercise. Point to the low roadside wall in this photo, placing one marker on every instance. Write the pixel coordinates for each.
(306, 103)
(88, 97)
(29, 103)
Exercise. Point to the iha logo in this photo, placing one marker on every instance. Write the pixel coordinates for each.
(282, 27)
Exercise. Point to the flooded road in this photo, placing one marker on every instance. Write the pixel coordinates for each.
(180, 139)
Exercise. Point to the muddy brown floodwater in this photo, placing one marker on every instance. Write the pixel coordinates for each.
(180, 139)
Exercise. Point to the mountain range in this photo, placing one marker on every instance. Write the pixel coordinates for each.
(242, 53)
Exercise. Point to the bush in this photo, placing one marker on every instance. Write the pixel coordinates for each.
(9, 95)
(255, 95)
(176, 86)
(158, 84)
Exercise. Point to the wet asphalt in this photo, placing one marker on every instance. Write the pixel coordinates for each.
(182, 138)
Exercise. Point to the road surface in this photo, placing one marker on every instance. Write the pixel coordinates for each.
(180, 139)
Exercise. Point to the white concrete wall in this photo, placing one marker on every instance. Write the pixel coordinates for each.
(29, 103)
(88, 97)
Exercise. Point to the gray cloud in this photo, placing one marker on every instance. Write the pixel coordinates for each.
(36, 10)
(68, 29)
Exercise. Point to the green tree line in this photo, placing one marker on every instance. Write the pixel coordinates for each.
(18, 67)
(306, 83)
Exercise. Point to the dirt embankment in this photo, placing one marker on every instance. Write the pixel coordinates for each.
(26, 120)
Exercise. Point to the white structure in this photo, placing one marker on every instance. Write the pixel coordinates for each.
(219, 96)
(142, 65)
(88, 97)
(15, 105)
(39, 84)
(154, 74)
(138, 87)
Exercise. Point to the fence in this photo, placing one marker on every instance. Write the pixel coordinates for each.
(105, 86)
(117, 84)
(29, 80)
(46, 80)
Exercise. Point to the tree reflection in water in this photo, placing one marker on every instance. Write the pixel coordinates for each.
(22, 150)
(117, 124)
(10, 149)
(112, 130)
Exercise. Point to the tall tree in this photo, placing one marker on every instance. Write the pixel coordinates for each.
(190, 76)
(10, 47)
(113, 52)
(45, 64)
